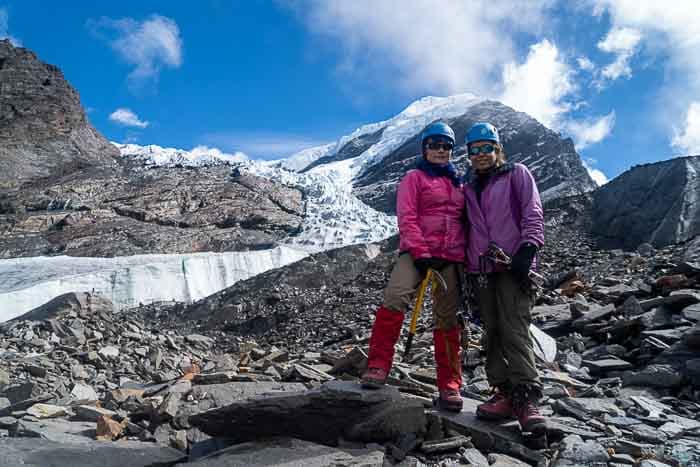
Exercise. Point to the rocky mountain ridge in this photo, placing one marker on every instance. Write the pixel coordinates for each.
(43, 128)
(657, 203)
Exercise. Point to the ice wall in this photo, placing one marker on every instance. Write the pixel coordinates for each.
(26, 283)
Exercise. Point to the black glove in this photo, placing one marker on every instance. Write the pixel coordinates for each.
(521, 262)
(423, 264)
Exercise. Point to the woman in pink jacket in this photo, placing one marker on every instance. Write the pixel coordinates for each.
(430, 210)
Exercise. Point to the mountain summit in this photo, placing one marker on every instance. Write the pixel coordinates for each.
(43, 127)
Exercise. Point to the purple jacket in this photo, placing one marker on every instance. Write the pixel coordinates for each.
(510, 213)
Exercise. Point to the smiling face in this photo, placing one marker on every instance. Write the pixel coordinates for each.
(438, 150)
(483, 161)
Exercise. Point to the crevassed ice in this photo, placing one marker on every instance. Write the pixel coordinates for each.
(26, 283)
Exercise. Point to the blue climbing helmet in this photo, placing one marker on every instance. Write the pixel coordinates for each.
(482, 131)
(437, 129)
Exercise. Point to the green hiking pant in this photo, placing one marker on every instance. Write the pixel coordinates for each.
(505, 312)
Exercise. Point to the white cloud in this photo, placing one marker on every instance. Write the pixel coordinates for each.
(540, 85)
(457, 47)
(420, 47)
(587, 132)
(670, 34)
(622, 42)
(688, 139)
(4, 28)
(148, 45)
(585, 64)
(596, 174)
(126, 117)
(262, 145)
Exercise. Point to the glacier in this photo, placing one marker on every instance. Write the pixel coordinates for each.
(26, 283)
(334, 217)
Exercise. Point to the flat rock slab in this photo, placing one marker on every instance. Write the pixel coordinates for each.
(489, 436)
(607, 364)
(58, 430)
(211, 396)
(42, 452)
(289, 452)
(336, 409)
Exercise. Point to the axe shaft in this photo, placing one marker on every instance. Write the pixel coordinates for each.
(416, 312)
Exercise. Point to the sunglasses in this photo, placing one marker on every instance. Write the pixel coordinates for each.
(438, 146)
(485, 149)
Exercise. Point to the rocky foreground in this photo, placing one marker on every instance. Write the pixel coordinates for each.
(266, 372)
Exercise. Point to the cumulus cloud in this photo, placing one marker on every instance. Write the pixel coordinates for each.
(688, 138)
(125, 117)
(4, 28)
(623, 42)
(669, 32)
(419, 47)
(540, 84)
(596, 174)
(590, 131)
(585, 64)
(147, 45)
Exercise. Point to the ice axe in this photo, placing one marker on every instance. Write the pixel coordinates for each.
(436, 278)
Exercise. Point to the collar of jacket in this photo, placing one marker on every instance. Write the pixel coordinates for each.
(434, 170)
(471, 177)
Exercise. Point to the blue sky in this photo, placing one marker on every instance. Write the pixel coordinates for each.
(268, 78)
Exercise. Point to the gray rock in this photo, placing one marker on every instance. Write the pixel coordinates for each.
(575, 451)
(288, 452)
(336, 409)
(502, 460)
(44, 127)
(42, 452)
(474, 457)
(82, 393)
(42, 411)
(649, 203)
(58, 430)
(658, 376)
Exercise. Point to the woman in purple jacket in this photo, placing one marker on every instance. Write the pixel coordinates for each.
(504, 212)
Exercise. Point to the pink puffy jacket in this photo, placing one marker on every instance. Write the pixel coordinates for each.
(431, 217)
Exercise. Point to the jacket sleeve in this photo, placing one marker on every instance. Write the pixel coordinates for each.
(407, 213)
(531, 214)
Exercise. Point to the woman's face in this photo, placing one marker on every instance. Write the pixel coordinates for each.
(438, 151)
(485, 158)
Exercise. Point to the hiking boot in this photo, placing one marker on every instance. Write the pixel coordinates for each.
(497, 408)
(451, 399)
(374, 378)
(525, 408)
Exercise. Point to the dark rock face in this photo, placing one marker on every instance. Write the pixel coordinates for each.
(553, 161)
(43, 129)
(135, 211)
(655, 203)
